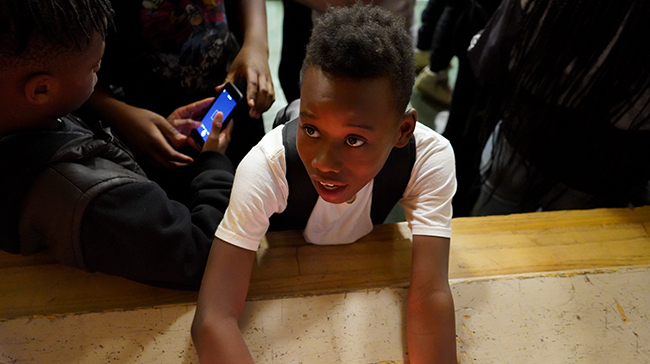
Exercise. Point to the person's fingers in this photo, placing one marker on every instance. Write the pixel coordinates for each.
(171, 159)
(260, 93)
(219, 88)
(185, 126)
(225, 136)
(191, 111)
(168, 153)
(193, 144)
(212, 143)
(265, 96)
(170, 132)
(199, 109)
(251, 89)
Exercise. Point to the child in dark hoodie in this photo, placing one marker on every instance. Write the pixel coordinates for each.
(73, 188)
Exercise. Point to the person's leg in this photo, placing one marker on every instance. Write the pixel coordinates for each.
(429, 21)
(442, 44)
(510, 184)
(433, 80)
(296, 29)
(463, 132)
(464, 124)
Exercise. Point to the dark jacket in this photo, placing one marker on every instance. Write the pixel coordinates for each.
(79, 194)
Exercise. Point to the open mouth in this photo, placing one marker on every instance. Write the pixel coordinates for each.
(331, 191)
(329, 186)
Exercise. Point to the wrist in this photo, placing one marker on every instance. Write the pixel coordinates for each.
(256, 45)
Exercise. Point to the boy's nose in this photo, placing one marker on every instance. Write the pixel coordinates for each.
(327, 161)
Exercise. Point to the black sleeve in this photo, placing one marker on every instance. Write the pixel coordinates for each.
(137, 232)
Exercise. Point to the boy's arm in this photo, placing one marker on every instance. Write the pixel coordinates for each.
(135, 231)
(252, 61)
(145, 132)
(215, 329)
(430, 316)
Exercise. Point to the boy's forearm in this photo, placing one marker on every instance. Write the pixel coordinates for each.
(101, 101)
(430, 315)
(431, 328)
(110, 110)
(220, 342)
(253, 13)
(215, 332)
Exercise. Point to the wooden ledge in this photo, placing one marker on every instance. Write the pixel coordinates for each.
(287, 266)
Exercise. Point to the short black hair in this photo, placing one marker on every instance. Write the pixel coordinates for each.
(60, 24)
(364, 41)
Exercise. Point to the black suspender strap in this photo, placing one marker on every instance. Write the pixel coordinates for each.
(390, 183)
(302, 194)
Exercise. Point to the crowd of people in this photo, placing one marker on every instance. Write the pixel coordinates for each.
(550, 110)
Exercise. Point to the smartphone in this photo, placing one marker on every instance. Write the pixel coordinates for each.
(226, 102)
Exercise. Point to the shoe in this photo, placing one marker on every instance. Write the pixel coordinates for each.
(434, 85)
(421, 59)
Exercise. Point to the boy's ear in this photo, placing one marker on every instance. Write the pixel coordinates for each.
(406, 127)
(38, 88)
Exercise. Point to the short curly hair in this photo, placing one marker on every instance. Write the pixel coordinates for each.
(363, 41)
(28, 29)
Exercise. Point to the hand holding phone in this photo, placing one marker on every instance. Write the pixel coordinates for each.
(225, 103)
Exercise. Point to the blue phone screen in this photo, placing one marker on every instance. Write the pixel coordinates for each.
(224, 103)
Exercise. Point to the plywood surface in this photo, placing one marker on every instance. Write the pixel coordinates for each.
(592, 317)
(288, 267)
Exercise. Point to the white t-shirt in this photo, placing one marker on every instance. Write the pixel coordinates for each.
(260, 189)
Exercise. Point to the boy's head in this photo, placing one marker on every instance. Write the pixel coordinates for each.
(362, 42)
(357, 79)
(49, 53)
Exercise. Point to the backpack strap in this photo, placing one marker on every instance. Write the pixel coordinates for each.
(287, 113)
(388, 188)
(302, 194)
(390, 183)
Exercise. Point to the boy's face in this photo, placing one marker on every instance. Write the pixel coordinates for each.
(76, 77)
(347, 129)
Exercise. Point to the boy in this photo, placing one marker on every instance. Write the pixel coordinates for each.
(357, 80)
(75, 190)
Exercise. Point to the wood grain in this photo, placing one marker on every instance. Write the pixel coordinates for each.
(289, 267)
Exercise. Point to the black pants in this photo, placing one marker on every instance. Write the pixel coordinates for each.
(437, 32)
(296, 30)
(463, 134)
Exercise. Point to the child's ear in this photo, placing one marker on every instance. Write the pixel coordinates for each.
(38, 88)
(406, 127)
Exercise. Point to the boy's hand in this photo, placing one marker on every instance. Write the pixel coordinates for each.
(183, 123)
(150, 135)
(252, 65)
(218, 139)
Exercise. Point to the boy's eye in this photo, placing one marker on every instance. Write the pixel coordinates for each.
(97, 66)
(310, 131)
(354, 142)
